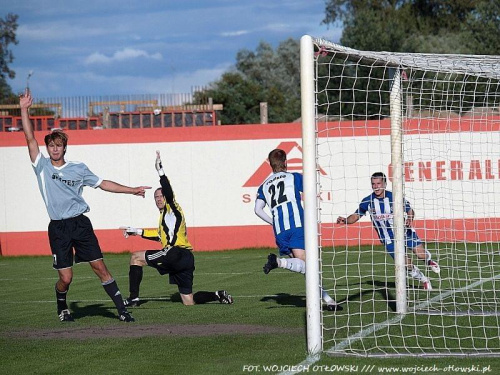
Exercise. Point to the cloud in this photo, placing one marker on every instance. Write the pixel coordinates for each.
(58, 31)
(122, 55)
(234, 33)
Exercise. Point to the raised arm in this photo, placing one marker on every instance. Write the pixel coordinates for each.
(115, 187)
(166, 188)
(25, 101)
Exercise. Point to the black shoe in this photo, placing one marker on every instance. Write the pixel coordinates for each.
(272, 263)
(334, 307)
(131, 302)
(224, 297)
(65, 316)
(126, 317)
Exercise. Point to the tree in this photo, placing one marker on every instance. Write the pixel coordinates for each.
(8, 27)
(239, 96)
(431, 26)
(424, 26)
(266, 75)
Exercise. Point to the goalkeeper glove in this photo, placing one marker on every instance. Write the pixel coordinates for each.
(158, 165)
(131, 231)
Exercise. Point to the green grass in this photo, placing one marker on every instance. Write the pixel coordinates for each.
(468, 283)
(275, 300)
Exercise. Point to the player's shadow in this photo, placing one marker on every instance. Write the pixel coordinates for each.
(97, 309)
(378, 287)
(286, 300)
(176, 297)
(384, 289)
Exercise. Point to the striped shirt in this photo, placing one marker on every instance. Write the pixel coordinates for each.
(381, 214)
(281, 192)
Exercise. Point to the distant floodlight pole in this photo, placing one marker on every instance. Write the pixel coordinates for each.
(28, 79)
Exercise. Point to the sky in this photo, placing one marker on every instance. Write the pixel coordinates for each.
(128, 47)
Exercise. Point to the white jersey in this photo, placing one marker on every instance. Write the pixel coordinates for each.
(61, 187)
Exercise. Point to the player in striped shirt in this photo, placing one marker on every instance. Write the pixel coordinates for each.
(379, 206)
(281, 192)
(176, 258)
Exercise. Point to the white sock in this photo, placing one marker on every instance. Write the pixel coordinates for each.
(326, 297)
(417, 274)
(293, 264)
(299, 266)
(428, 256)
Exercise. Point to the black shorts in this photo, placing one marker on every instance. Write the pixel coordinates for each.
(74, 233)
(178, 262)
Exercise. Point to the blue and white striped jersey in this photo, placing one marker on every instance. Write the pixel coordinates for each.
(61, 187)
(381, 214)
(281, 192)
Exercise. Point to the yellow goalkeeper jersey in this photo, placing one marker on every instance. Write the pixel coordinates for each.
(172, 229)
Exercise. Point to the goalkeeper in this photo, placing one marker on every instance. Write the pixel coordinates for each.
(176, 257)
(379, 205)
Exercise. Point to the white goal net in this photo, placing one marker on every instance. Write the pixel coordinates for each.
(431, 124)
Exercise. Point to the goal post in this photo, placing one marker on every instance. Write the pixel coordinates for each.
(431, 124)
(313, 298)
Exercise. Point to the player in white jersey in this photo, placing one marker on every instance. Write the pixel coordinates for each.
(379, 205)
(281, 193)
(61, 184)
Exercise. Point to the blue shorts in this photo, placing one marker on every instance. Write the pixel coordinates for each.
(412, 241)
(290, 239)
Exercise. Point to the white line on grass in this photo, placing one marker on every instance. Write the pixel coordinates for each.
(126, 276)
(311, 360)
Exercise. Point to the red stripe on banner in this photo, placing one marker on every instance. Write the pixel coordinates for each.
(259, 131)
(444, 230)
(239, 237)
(153, 135)
(112, 240)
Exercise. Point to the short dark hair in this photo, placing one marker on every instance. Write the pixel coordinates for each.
(277, 159)
(380, 175)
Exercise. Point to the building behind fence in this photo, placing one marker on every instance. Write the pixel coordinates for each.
(116, 111)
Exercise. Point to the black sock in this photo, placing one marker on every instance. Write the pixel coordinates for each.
(204, 297)
(134, 281)
(61, 300)
(112, 289)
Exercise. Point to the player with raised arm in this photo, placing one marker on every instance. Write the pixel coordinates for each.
(281, 192)
(61, 184)
(379, 205)
(176, 257)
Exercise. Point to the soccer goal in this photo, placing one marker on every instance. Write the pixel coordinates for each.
(431, 124)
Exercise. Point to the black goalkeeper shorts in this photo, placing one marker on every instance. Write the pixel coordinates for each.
(178, 262)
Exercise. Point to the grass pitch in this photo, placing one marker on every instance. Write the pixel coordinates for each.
(33, 341)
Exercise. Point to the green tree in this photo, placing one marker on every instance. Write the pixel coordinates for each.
(239, 96)
(266, 75)
(431, 26)
(422, 26)
(8, 27)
